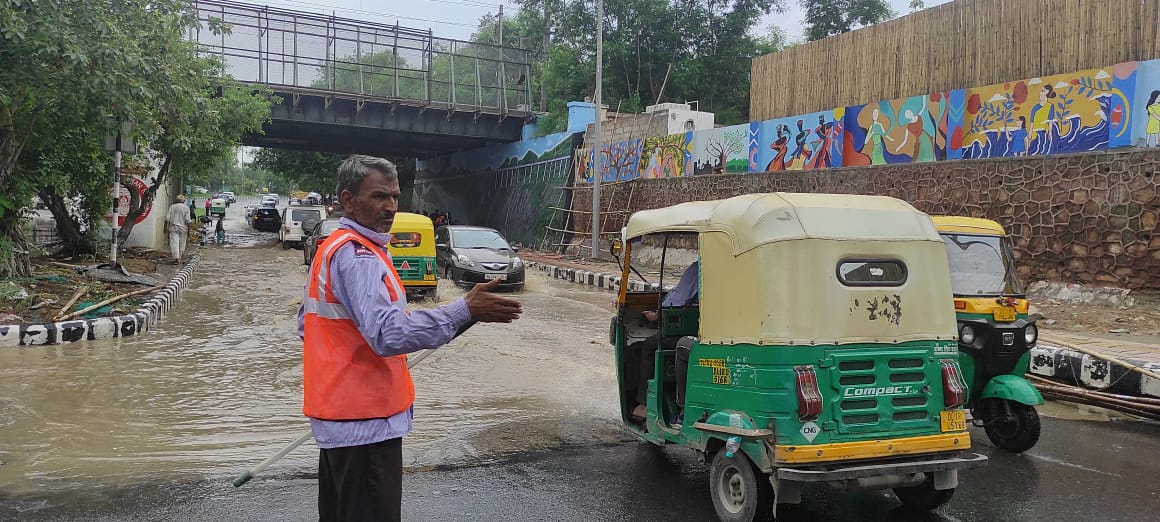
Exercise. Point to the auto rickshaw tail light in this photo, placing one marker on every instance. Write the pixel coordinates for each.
(954, 389)
(808, 393)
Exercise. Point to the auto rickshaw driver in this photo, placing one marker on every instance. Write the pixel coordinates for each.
(684, 294)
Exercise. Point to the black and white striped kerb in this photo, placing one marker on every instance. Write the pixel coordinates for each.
(133, 323)
(1073, 367)
(584, 277)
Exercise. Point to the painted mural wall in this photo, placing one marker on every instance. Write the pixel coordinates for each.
(1085, 111)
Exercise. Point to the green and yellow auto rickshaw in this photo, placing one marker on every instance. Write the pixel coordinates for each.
(996, 334)
(412, 249)
(818, 348)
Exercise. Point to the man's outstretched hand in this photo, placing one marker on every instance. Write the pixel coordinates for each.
(491, 308)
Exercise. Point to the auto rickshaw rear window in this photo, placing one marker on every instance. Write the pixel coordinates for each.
(406, 239)
(871, 272)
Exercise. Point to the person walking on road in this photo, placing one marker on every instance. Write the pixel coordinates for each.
(207, 206)
(177, 226)
(356, 331)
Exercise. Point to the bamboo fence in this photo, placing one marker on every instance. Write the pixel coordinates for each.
(960, 44)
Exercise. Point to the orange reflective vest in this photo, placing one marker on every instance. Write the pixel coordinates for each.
(343, 378)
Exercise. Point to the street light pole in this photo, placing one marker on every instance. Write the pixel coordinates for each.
(596, 149)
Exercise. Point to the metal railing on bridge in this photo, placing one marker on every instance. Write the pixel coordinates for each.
(305, 52)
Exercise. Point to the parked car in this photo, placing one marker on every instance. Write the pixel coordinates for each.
(316, 236)
(266, 219)
(294, 201)
(297, 222)
(467, 255)
(230, 197)
(268, 201)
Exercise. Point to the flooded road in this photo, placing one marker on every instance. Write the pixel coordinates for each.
(217, 386)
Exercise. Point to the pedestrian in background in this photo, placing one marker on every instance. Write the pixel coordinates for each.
(220, 232)
(356, 331)
(177, 226)
(192, 209)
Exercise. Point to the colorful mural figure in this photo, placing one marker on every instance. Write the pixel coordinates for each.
(956, 112)
(809, 141)
(583, 162)
(719, 151)
(1079, 112)
(1146, 105)
(620, 161)
(906, 130)
(664, 156)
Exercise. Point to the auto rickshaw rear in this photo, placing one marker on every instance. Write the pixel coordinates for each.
(820, 349)
(412, 249)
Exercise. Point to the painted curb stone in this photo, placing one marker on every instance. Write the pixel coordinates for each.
(73, 330)
(1076, 368)
(597, 279)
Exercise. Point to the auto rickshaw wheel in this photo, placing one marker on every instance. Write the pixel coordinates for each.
(923, 497)
(740, 491)
(1011, 425)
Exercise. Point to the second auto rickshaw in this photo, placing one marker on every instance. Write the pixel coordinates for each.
(996, 334)
(819, 347)
(412, 248)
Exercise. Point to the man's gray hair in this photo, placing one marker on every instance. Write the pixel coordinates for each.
(357, 166)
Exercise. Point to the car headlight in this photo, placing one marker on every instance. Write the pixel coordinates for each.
(517, 262)
(967, 335)
(1030, 334)
(464, 260)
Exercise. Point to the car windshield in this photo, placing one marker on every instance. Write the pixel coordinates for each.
(479, 238)
(981, 265)
(301, 215)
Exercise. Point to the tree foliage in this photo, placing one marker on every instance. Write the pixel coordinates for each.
(75, 69)
(825, 18)
(654, 50)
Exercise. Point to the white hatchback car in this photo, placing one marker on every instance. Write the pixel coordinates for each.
(297, 221)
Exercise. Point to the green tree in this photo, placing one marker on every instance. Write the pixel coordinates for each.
(74, 64)
(917, 5)
(825, 18)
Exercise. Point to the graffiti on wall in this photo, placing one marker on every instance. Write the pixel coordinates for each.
(906, 130)
(1078, 112)
(719, 151)
(808, 141)
(620, 160)
(664, 156)
(1146, 105)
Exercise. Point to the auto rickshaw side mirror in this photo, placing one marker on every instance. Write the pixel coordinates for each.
(615, 248)
(440, 245)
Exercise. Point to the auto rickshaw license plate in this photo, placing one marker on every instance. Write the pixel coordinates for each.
(954, 420)
(1004, 314)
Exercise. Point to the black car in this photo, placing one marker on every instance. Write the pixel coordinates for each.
(467, 255)
(315, 237)
(266, 219)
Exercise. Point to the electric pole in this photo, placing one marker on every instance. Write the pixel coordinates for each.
(596, 156)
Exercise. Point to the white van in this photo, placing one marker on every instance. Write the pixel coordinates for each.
(297, 222)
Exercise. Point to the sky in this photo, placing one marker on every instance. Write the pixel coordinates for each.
(457, 19)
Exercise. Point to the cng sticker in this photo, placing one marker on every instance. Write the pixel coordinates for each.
(810, 430)
(405, 265)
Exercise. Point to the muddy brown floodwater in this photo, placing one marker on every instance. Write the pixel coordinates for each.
(216, 387)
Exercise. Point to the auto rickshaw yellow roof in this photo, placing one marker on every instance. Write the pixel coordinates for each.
(967, 225)
(410, 220)
(752, 220)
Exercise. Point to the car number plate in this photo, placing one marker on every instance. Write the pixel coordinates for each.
(1005, 314)
(954, 420)
(489, 277)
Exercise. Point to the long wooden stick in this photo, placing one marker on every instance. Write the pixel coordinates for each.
(111, 300)
(81, 291)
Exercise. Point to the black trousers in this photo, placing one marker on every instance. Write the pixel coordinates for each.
(361, 483)
(643, 354)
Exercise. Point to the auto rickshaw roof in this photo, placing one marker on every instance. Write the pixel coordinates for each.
(752, 220)
(410, 220)
(967, 225)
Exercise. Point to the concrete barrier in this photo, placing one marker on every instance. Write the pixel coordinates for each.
(138, 321)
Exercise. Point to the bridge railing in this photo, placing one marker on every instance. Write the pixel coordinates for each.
(311, 52)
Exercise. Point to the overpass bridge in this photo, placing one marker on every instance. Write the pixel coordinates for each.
(353, 86)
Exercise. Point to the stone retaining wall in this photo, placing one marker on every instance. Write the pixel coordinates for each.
(1081, 218)
(133, 323)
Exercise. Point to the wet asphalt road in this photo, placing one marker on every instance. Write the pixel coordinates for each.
(513, 422)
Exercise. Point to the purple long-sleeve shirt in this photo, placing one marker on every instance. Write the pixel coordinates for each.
(356, 280)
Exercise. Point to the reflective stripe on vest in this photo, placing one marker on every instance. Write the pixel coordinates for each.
(343, 377)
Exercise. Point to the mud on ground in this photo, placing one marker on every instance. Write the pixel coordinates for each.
(54, 281)
(1138, 321)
